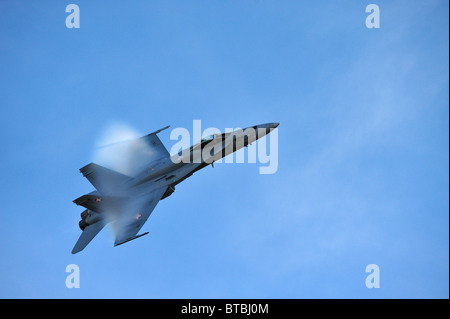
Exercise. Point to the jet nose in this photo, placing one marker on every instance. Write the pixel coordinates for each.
(269, 126)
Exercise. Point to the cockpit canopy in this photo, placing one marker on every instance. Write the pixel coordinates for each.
(206, 139)
(202, 143)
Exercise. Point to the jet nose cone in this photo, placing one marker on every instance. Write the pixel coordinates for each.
(275, 125)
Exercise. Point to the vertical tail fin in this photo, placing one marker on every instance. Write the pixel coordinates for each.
(87, 235)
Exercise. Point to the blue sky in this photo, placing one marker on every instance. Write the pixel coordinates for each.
(363, 147)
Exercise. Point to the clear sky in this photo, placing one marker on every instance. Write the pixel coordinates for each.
(363, 169)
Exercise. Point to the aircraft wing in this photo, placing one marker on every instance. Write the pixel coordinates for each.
(149, 152)
(153, 141)
(133, 215)
(128, 157)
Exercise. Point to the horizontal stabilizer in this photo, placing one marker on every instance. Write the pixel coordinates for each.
(103, 179)
(99, 203)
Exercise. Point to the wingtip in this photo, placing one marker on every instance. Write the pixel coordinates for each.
(128, 239)
(156, 132)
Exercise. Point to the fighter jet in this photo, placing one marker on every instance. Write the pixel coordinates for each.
(126, 202)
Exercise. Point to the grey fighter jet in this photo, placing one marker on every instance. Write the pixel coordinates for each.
(126, 201)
